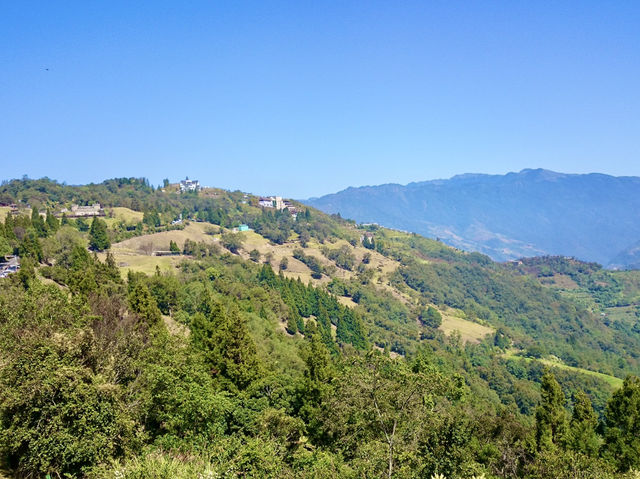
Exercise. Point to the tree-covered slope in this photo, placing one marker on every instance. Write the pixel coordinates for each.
(307, 347)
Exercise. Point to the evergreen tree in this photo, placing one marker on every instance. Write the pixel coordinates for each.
(324, 329)
(431, 317)
(5, 247)
(52, 222)
(622, 420)
(144, 305)
(292, 325)
(98, 236)
(581, 436)
(550, 416)
(38, 223)
(9, 224)
(318, 360)
(350, 330)
(300, 324)
(267, 276)
(111, 268)
(27, 272)
(30, 246)
(227, 345)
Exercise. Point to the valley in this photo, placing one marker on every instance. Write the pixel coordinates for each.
(209, 301)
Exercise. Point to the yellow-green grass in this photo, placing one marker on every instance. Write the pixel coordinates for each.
(348, 302)
(143, 263)
(4, 211)
(562, 281)
(127, 215)
(161, 241)
(296, 269)
(174, 327)
(620, 313)
(133, 254)
(392, 354)
(613, 381)
(470, 332)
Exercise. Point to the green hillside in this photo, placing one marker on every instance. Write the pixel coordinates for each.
(161, 341)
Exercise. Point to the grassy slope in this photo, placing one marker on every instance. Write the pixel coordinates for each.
(129, 255)
(469, 331)
(613, 381)
(127, 215)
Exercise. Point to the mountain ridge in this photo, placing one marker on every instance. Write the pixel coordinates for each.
(591, 216)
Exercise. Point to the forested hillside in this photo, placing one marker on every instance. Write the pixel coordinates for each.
(160, 341)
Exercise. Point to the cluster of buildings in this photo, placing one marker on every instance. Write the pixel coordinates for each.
(78, 211)
(278, 203)
(189, 185)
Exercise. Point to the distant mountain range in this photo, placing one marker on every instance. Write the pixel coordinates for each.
(593, 217)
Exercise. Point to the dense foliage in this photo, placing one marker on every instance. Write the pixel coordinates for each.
(226, 368)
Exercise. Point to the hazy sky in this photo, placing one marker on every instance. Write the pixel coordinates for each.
(306, 98)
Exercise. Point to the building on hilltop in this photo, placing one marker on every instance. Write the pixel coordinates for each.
(266, 202)
(278, 203)
(78, 211)
(189, 185)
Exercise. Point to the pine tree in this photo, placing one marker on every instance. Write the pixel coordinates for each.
(318, 360)
(98, 236)
(267, 276)
(581, 436)
(52, 222)
(300, 324)
(227, 345)
(551, 417)
(30, 246)
(5, 247)
(38, 223)
(142, 303)
(622, 419)
(9, 224)
(292, 325)
(350, 330)
(111, 268)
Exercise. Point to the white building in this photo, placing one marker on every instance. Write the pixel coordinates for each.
(189, 185)
(266, 202)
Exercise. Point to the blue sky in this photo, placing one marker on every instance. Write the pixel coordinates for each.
(307, 98)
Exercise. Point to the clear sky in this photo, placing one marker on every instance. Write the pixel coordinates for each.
(306, 98)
